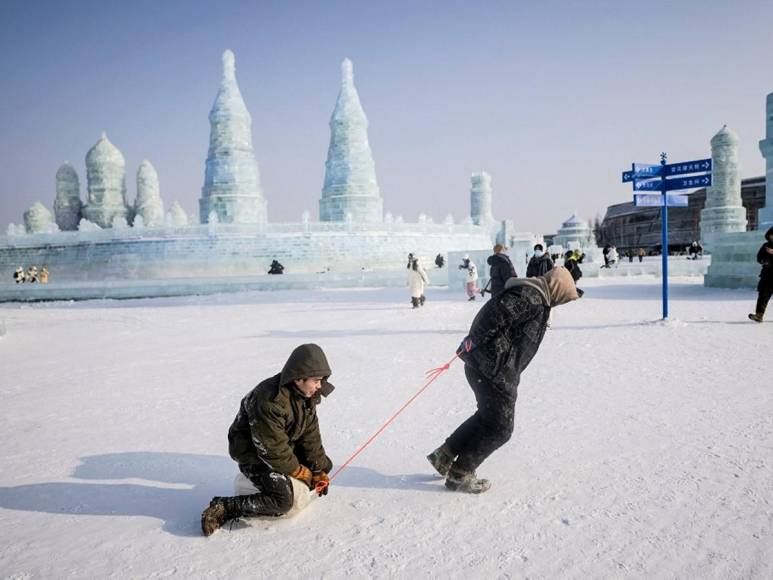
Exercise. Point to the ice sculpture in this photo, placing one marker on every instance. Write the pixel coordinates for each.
(148, 204)
(723, 211)
(38, 220)
(231, 179)
(766, 148)
(67, 204)
(350, 174)
(480, 199)
(176, 216)
(106, 176)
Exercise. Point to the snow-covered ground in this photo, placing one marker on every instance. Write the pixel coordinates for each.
(642, 449)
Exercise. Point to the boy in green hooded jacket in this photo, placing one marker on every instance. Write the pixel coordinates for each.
(274, 437)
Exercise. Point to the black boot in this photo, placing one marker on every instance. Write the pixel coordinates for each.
(422, 299)
(441, 459)
(220, 510)
(466, 481)
(415, 302)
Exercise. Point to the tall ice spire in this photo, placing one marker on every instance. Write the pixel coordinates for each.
(231, 179)
(350, 175)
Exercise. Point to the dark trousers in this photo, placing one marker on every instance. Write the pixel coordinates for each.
(489, 428)
(274, 497)
(765, 292)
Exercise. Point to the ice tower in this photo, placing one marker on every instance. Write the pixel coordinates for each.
(106, 176)
(350, 174)
(480, 199)
(723, 212)
(67, 204)
(148, 204)
(231, 180)
(766, 148)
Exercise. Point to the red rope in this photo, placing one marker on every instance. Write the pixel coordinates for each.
(431, 375)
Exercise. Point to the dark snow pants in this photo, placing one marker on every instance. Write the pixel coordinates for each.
(489, 428)
(274, 497)
(765, 289)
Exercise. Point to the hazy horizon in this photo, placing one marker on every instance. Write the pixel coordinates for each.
(553, 101)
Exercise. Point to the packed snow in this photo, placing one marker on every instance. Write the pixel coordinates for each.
(642, 448)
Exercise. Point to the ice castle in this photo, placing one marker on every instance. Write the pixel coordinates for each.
(108, 239)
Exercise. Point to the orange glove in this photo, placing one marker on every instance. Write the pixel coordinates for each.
(320, 482)
(303, 473)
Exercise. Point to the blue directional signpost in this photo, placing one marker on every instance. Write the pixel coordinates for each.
(656, 178)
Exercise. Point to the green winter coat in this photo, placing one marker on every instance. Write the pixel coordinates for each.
(277, 426)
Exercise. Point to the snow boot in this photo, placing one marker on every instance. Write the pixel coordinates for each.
(441, 459)
(415, 302)
(471, 299)
(422, 300)
(217, 514)
(756, 317)
(466, 482)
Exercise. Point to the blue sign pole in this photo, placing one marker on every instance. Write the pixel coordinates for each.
(664, 236)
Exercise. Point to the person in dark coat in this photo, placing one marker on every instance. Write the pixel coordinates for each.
(503, 339)
(605, 253)
(501, 270)
(572, 261)
(440, 261)
(276, 268)
(695, 251)
(539, 264)
(765, 285)
(274, 437)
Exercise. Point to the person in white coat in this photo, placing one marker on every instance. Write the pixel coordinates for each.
(417, 282)
(471, 278)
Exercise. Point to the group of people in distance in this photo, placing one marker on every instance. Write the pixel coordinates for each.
(31, 275)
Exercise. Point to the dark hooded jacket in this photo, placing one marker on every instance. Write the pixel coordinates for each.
(765, 259)
(508, 330)
(276, 426)
(501, 271)
(539, 266)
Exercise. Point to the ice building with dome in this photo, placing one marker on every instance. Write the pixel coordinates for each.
(110, 239)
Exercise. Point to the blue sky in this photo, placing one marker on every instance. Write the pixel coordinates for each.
(553, 99)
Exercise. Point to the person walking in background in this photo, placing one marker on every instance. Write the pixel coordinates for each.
(765, 285)
(276, 268)
(440, 261)
(32, 274)
(501, 270)
(18, 275)
(417, 282)
(612, 257)
(572, 261)
(471, 279)
(539, 264)
(605, 253)
(43, 277)
(642, 253)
